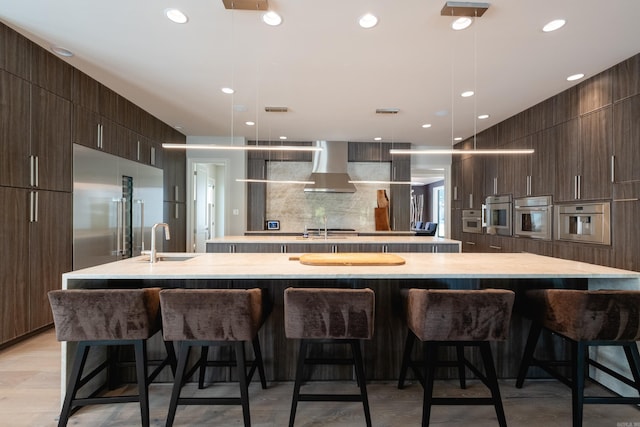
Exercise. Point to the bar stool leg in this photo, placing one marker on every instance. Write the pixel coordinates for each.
(460, 355)
(74, 381)
(298, 381)
(183, 357)
(140, 348)
(204, 354)
(578, 356)
(406, 358)
(430, 361)
(492, 382)
(242, 378)
(258, 357)
(633, 357)
(529, 349)
(362, 381)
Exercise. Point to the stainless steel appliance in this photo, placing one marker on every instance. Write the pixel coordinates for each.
(472, 221)
(533, 217)
(585, 222)
(498, 215)
(115, 204)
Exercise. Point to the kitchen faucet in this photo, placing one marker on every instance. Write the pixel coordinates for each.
(152, 257)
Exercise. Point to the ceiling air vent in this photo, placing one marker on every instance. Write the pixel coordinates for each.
(276, 109)
(387, 111)
(246, 4)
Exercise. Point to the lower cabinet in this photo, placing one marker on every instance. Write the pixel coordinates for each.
(32, 266)
(329, 247)
(175, 215)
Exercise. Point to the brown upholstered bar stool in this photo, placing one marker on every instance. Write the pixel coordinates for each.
(585, 319)
(207, 317)
(343, 316)
(458, 318)
(109, 317)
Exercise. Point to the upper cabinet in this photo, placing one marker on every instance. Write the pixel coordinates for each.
(626, 139)
(35, 136)
(15, 53)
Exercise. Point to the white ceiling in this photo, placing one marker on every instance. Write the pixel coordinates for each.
(329, 72)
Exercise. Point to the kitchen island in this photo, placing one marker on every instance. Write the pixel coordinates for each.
(335, 242)
(276, 271)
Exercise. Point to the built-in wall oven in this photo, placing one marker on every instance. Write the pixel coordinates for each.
(472, 221)
(585, 222)
(533, 217)
(498, 215)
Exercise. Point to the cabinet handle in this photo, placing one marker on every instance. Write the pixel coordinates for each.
(528, 185)
(579, 187)
(613, 168)
(455, 193)
(138, 151)
(575, 187)
(283, 249)
(153, 156)
(634, 199)
(37, 173)
(499, 248)
(495, 185)
(470, 243)
(176, 212)
(175, 192)
(471, 200)
(33, 206)
(32, 170)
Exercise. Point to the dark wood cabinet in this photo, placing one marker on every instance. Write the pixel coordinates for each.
(36, 250)
(175, 181)
(596, 149)
(626, 139)
(14, 274)
(566, 136)
(175, 215)
(51, 140)
(50, 252)
(51, 73)
(625, 210)
(15, 52)
(626, 78)
(400, 194)
(596, 92)
(456, 184)
(14, 130)
(256, 195)
(473, 172)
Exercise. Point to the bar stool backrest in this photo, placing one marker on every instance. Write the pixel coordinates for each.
(459, 315)
(211, 314)
(323, 313)
(105, 314)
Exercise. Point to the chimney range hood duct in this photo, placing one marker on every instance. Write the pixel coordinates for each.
(330, 169)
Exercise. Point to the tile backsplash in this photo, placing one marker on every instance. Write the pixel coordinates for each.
(296, 209)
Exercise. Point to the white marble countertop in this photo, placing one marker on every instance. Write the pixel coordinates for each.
(417, 266)
(335, 239)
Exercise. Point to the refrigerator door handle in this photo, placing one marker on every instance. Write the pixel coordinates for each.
(141, 203)
(124, 227)
(119, 225)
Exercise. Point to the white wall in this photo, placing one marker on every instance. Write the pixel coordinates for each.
(230, 164)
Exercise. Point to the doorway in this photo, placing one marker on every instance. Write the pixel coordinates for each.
(205, 219)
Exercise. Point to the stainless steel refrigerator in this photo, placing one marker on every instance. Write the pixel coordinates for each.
(115, 204)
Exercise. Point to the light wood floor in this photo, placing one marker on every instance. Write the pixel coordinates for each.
(30, 396)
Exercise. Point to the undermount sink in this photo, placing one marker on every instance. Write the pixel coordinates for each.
(162, 257)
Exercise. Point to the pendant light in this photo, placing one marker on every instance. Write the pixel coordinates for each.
(471, 11)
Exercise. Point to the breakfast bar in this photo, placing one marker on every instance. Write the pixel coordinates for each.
(277, 271)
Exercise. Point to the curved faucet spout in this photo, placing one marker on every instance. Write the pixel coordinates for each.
(153, 258)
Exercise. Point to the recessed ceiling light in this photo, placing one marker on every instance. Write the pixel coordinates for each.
(377, 138)
(177, 127)
(176, 16)
(554, 25)
(227, 90)
(272, 18)
(575, 77)
(368, 21)
(426, 125)
(466, 94)
(61, 51)
(457, 138)
(461, 23)
(483, 116)
(249, 123)
(283, 137)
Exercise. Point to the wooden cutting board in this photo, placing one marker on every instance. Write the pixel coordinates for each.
(355, 258)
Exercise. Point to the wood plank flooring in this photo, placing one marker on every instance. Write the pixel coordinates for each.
(30, 388)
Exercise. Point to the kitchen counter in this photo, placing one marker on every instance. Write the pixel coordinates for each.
(276, 271)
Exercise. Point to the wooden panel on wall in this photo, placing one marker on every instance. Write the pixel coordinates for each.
(14, 130)
(596, 148)
(626, 78)
(626, 139)
(85, 91)
(596, 92)
(15, 52)
(51, 73)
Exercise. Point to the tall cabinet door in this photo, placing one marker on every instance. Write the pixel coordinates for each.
(14, 130)
(50, 249)
(51, 140)
(14, 252)
(596, 135)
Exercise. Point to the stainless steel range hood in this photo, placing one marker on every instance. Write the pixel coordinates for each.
(330, 169)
